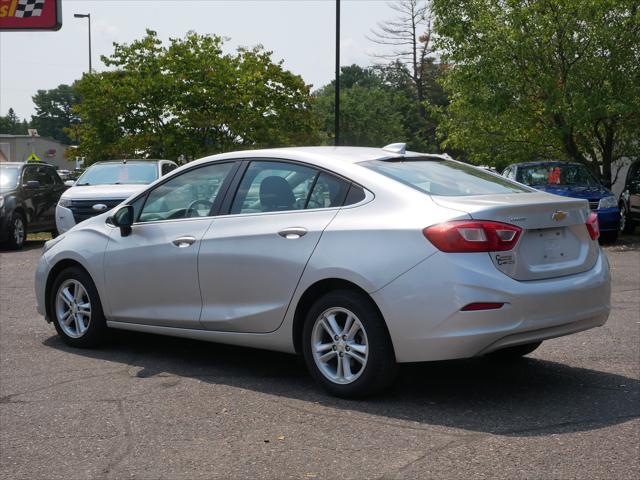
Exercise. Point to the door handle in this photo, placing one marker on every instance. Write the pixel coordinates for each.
(293, 233)
(183, 242)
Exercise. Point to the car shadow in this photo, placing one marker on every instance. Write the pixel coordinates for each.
(528, 397)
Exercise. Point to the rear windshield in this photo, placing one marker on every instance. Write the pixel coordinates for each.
(119, 173)
(444, 177)
(570, 175)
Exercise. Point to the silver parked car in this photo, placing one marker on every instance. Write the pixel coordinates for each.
(356, 258)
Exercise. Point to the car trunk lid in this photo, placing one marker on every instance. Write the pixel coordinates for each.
(554, 240)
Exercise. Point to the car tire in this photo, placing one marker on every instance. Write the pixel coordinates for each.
(75, 309)
(346, 345)
(515, 352)
(17, 231)
(626, 223)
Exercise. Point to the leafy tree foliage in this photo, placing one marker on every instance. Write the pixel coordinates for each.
(189, 98)
(542, 79)
(54, 112)
(378, 106)
(11, 124)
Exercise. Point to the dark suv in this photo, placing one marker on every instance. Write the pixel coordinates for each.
(630, 200)
(29, 193)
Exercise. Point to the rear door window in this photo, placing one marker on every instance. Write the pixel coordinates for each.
(269, 186)
(328, 191)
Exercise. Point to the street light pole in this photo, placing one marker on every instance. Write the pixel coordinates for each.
(337, 99)
(88, 17)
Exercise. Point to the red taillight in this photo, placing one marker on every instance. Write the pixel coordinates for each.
(472, 307)
(473, 236)
(593, 227)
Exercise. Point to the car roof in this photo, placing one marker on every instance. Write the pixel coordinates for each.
(133, 160)
(321, 156)
(545, 163)
(19, 164)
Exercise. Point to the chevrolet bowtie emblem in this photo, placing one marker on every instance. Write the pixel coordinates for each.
(559, 215)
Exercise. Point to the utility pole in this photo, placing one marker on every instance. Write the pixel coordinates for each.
(337, 100)
(88, 17)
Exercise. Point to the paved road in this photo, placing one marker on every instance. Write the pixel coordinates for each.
(152, 407)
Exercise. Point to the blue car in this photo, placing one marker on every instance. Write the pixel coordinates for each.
(571, 180)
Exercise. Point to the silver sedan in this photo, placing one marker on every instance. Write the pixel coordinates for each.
(358, 259)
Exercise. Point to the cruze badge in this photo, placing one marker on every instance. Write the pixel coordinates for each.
(559, 215)
(99, 207)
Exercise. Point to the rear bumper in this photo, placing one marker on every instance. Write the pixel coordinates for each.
(609, 219)
(422, 307)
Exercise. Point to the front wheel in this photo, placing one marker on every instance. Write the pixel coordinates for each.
(346, 345)
(76, 309)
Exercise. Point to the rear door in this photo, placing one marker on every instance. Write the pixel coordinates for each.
(34, 198)
(251, 260)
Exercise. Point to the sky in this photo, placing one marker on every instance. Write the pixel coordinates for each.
(300, 32)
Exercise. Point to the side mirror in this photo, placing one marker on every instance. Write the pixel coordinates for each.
(32, 184)
(70, 183)
(123, 218)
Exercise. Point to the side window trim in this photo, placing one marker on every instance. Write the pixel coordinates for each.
(215, 209)
(313, 185)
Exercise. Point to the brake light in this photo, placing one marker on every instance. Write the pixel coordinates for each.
(473, 236)
(593, 227)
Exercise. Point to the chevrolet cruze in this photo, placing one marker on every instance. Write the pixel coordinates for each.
(355, 258)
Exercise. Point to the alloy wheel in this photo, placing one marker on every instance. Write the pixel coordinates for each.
(339, 345)
(73, 308)
(18, 231)
(623, 218)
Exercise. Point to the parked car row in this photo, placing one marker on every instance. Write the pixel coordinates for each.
(574, 180)
(34, 198)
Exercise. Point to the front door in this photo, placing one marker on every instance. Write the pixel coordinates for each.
(251, 260)
(151, 275)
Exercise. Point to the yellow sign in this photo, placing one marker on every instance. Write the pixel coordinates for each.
(33, 158)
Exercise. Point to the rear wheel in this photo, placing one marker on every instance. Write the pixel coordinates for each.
(17, 231)
(346, 345)
(76, 310)
(515, 352)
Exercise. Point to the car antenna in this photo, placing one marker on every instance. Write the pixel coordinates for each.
(400, 148)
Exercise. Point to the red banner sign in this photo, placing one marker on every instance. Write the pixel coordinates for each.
(30, 15)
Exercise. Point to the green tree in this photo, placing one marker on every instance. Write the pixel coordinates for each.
(54, 112)
(370, 112)
(189, 98)
(11, 124)
(542, 79)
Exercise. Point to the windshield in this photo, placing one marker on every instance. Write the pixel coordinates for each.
(8, 177)
(119, 174)
(444, 177)
(568, 174)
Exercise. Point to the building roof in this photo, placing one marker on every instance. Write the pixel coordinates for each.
(10, 135)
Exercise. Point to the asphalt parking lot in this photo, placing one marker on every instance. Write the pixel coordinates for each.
(155, 407)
